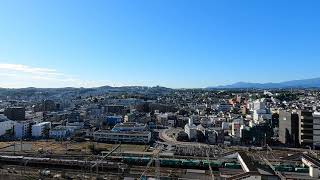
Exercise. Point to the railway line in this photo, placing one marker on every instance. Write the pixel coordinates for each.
(133, 164)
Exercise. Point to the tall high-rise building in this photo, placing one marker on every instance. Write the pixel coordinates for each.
(316, 129)
(299, 128)
(305, 128)
(289, 128)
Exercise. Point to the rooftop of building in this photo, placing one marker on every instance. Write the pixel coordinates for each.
(123, 132)
(41, 124)
(59, 128)
(114, 117)
(129, 125)
(15, 107)
(316, 113)
(3, 118)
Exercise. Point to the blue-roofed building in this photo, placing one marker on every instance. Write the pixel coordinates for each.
(113, 120)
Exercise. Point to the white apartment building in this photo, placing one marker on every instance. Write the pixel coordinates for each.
(191, 130)
(22, 129)
(39, 130)
(5, 125)
(260, 111)
(237, 127)
(62, 131)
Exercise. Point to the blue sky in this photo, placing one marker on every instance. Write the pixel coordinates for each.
(173, 43)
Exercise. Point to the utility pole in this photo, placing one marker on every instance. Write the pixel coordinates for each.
(14, 148)
(156, 159)
(209, 164)
(21, 144)
(157, 164)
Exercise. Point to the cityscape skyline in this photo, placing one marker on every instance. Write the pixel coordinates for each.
(160, 89)
(167, 43)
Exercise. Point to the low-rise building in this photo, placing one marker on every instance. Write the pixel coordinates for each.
(224, 107)
(236, 128)
(40, 130)
(114, 109)
(125, 137)
(129, 126)
(113, 120)
(211, 136)
(191, 130)
(262, 115)
(15, 113)
(22, 129)
(5, 125)
(61, 132)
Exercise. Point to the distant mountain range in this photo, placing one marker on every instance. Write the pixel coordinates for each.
(305, 83)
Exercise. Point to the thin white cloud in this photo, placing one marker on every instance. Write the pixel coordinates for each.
(29, 69)
(19, 75)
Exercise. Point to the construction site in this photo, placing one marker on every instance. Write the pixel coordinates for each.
(87, 160)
